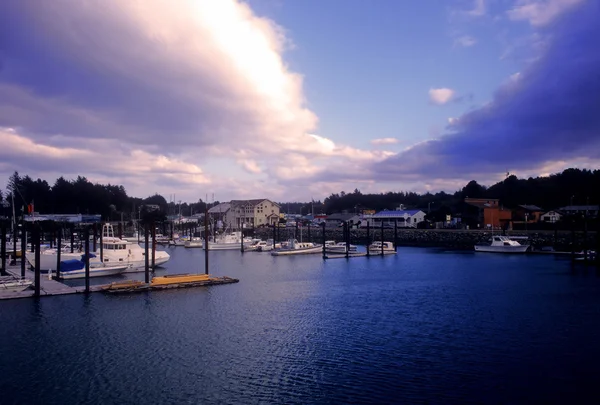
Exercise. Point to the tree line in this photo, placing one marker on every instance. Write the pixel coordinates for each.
(80, 196)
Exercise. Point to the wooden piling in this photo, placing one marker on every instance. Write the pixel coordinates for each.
(382, 238)
(347, 239)
(58, 252)
(95, 236)
(309, 237)
(206, 239)
(86, 235)
(296, 230)
(36, 272)
(23, 249)
(146, 254)
(153, 245)
(3, 247)
(274, 235)
(323, 239)
(102, 244)
(72, 230)
(242, 238)
(395, 234)
(368, 237)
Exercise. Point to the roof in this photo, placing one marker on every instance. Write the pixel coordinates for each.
(254, 202)
(530, 207)
(341, 216)
(220, 208)
(482, 202)
(401, 213)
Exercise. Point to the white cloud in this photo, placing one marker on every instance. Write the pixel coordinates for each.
(384, 141)
(441, 96)
(540, 12)
(465, 41)
(478, 9)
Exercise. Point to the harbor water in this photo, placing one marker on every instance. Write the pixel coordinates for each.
(423, 326)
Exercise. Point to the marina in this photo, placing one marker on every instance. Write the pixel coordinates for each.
(368, 329)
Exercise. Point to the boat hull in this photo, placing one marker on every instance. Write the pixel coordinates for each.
(301, 251)
(224, 246)
(94, 272)
(501, 249)
(375, 252)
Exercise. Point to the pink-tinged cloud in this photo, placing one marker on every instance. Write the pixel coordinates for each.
(384, 141)
(541, 12)
(441, 96)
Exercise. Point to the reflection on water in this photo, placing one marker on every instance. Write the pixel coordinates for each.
(424, 326)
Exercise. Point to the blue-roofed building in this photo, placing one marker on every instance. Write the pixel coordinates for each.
(405, 218)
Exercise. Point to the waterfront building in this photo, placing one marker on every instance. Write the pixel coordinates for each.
(238, 214)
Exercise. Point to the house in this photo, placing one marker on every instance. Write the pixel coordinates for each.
(490, 213)
(338, 218)
(588, 210)
(527, 213)
(404, 218)
(252, 213)
(550, 216)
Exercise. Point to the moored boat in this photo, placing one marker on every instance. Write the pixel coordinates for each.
(298, 248)
(378, 248)
(339, 247)
(502, 244)
(70, 269)
(193, 243)
(10, 283)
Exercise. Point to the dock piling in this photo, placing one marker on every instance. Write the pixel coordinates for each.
(146, 257)
(323, 240)
(36, 244)
(3, 247)
(347, 238)
(72, 230)
(382, 239)
(86, 235)
(153, 245)
(102, 245)
(23, 248)
(58, 252)
(95, 236)
(368, 237)
(395, 234)
(206, 239)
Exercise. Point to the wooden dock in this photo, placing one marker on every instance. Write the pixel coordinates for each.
(52, 287)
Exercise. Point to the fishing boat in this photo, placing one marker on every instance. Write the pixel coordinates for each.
(339, 247)
(194, 242)
(115, 252)
(502, 244)
(378, 247)
(227, 241)
(12, 284)
(294, 247)
(70, 269)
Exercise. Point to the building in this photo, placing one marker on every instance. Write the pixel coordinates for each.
(527, 213)
(550, 216)
(338, 218)
(588, 210)
(405, 218)
(238, 214)
(489, 214)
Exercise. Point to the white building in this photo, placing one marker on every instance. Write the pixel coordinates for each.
(550, 216)
(246, 213)
(405, 218)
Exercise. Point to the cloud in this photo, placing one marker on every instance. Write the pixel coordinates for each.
(540, 12)
(440, 96)
(478, 9)
(465, 41)
(201, 81)
(384, 141)
(550, 114)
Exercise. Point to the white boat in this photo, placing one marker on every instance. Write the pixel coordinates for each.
(115, 252)
(70, 269)
(193, 243)
(502, 244)
(10, 283)
(298, 248)
(377, 247)
(339, 247)
(227, 241)
(254, 244)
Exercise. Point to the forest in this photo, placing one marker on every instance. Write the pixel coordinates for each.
(572, 186)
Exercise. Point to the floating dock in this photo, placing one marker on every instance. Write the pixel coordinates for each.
(53, 287)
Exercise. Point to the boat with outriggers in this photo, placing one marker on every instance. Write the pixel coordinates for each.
(293, 247)
(379, 248)
(502, 244)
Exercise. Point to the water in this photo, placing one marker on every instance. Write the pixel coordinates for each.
(425, 326)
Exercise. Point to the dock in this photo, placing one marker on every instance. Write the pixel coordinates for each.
(53, 287)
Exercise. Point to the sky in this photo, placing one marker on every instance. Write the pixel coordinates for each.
(294, 100)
